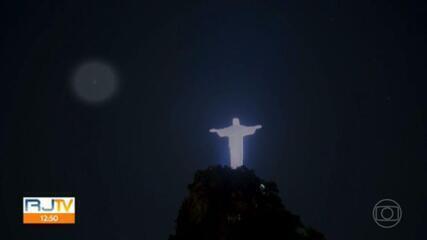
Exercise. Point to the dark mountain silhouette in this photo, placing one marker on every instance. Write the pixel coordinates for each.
(228, 204)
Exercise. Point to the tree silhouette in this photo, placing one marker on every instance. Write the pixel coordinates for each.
(228, 204)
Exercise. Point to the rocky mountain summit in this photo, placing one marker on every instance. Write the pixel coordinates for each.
(228, 204)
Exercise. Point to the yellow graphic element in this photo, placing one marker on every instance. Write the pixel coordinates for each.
(49, 218)
(67, 207)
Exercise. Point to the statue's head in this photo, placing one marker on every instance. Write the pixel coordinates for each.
(236, 121)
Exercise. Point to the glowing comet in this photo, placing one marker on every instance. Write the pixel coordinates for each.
(235, 134)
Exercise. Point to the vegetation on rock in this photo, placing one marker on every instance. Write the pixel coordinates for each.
(228, 204)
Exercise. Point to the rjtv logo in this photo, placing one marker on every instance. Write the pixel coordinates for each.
(49, 210)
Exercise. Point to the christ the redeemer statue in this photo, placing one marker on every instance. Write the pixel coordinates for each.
(235, 134)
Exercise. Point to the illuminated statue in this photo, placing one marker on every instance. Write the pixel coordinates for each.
(235, 134)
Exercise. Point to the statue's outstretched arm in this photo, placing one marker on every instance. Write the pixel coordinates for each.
(220, 132)
(251, 130)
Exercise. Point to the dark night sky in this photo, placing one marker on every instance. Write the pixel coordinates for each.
(337, 85)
